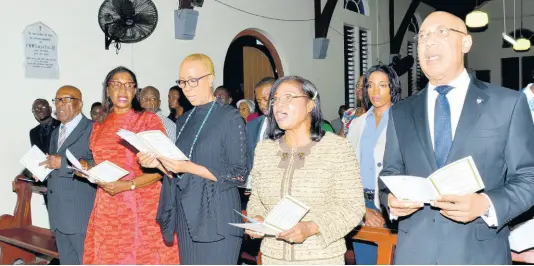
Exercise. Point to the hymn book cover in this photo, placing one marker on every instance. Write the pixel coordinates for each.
(31, 161)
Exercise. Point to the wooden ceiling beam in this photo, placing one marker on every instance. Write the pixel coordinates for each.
(323, 17)
(396, 42)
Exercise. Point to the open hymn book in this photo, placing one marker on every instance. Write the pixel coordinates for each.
(522, 236)
(153, 141)
(105, 171)
(457, 178)
(286, 214)
(31, 161)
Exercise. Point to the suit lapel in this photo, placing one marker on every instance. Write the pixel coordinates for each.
(420, 119)
(75, 134)
(474, 104)
(53, 141)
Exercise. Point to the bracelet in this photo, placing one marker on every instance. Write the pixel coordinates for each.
(132, 187)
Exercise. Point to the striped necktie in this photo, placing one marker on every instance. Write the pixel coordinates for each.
(442, 126)
(62, 136)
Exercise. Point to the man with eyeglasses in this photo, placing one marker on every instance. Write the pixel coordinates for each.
(150, 101)
(71, 198)
(454, 117)
(41, 134)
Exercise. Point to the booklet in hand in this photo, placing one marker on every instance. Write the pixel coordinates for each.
(31, 161)
(286, 214)
(457, 178)
(105, 171)
(522, 236)
(153, 141)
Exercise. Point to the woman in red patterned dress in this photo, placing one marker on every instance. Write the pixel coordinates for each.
(122, 228)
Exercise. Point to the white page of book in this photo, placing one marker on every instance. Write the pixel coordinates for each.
(410, 188)
(31, 161)
(287, 213)
(522, 236)
(249, 219)
(107, 171)
(162, 145)
(135, 141)
(103, 172)
(458, 178)
(258, 227)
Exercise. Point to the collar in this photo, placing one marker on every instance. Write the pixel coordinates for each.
(74, 122)
(460, 82)
(299, 154)
(528, 92)
(371, 113)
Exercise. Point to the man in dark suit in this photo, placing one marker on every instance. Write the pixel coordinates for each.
(71, 198)
(40, 135)
(256, 129)
(454, 117)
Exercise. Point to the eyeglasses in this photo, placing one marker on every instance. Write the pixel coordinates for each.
(443, 32)
(39, 108)
(114, 84)
(149, 99)
(285, 99)
(64, 100)
(192, 82)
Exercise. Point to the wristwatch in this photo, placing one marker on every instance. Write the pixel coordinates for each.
(132, 187)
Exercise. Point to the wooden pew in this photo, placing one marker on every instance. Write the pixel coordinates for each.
(19, 239)
(385, 239)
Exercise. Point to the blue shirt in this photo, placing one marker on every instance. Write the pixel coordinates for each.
(370, 135)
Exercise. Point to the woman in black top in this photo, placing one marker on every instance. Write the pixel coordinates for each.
(199, 200)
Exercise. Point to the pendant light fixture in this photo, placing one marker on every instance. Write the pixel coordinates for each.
(477, 18)
(522, 44)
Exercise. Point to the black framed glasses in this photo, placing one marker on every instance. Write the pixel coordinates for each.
(442, 32)
(192, 82)
(285, 99)
(64, 100)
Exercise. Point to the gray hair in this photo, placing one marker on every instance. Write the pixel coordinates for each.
(251, 105)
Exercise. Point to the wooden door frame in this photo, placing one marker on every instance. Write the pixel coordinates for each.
(268, 44)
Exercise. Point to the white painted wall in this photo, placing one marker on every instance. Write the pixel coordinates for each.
(83, 62)
(487, 50)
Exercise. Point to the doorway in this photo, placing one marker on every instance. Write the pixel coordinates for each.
(250, 58)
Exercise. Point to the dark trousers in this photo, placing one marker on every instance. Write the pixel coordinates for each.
(70, 248)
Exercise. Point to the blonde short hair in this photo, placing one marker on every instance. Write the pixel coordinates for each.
(204, 59)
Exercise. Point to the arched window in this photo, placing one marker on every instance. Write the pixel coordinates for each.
(357, 6)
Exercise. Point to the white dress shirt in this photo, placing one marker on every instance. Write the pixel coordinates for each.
(530, 98)
(456, 98)
(70, 126)
(263, 129)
